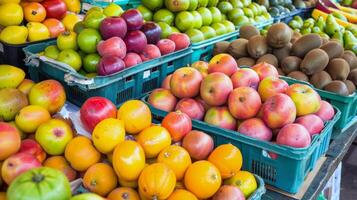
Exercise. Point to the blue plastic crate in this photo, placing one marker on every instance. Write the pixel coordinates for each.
(258, 193)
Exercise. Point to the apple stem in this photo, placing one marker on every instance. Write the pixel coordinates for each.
(37, 178)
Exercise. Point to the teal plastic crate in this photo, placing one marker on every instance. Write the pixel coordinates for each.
(288, 171)
(346, 104)
(124, 4)
(119, 87)
(258, 193)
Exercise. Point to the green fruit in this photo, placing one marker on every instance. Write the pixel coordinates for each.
(166, 30)
(208, 32)
(94, 9)
(113, 10)
(90, 62)
(266, 15)
(212, 3)
(195, 35)
(67, 40)
(224, 17)
(183, 21)
(241, 20)
(219, 28)
(202, 3)
(305, 31)
(263, 9)
(316, 29)
(331, 25)
(78, 27)
(339, 16)
(229, 26)
(94, 19)
(216, 14)
(225, 7)
(274, 11)
(235, 13)
(82, 72)
(11, 102)
(87, 196)
(164, 15)
(174, 30)
(197, 19)
(248, 12)
(259, 19)
(236, 3)
(88, 39)
(324, 35)
(294, 24)
(177, 5)
(91, 75)
(264, 32)
(52, 52)
(254, 9)
(193, 5)
(71, 58)
(246, 2)
(145, 12)
(206, 16)
(350, 41)
(153, 4)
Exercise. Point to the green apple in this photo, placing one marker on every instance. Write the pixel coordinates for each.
(193, 5)
(183, 21)
(202, 3)
(82, 72)
(225, 7)
(177, 5)
(93, 19)
(266, 15)
(263, 9)
(259, 18)
(208, 32)
(197, 19)
(166, 30)
(174, 30)
(229, 26)
(206, 16)
(241, 20)
(153, 4)
(224, 17)
(236, 3)
(95, 8)
(78, 27)
(145, 12)
(246, 2)
(71, 58)
(219, 28)
(52, 52)
(88, 39)
(212, 3)
(254, 9)
(195, 35)
(235, 13)
(53, 136)
(113, 10)
(164, 15)
(216, 14)
(248, 12)
(90, 62)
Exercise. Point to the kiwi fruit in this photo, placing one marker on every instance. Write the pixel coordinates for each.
(314, 61)
(269, 58)
(248, 31)
(279, 35)
(290, 63)
(221, 47)
(257, 46)
(353, 77)
(325, 40)
(245, 61)
(281, 53)
(350, 86)
(338, 69)
(281, 73)
(320, 79)
(351, 58)
(298, 75)
(338, 87)
(333, 49)
(295, 37)
(305, 44)
(238, 48)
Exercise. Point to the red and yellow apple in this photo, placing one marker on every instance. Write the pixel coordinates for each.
(294, 135)
(221, 117)
(306, 99)
(245, 77)
(10, 140)
(215, 89)
(223, 63)
(162, 99)
(326, 111)
(32, 147)
(255, 128)
(312, 123)
(265, 70)
(60, 163)
(244, 102)
(26, 86)
(271, 86)
(185, 82)
(202, 67)
(191, 107)
(31, 117)
(166, 83)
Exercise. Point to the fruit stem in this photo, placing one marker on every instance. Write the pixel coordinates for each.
(38, 178)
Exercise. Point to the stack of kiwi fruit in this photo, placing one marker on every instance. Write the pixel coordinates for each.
(323, 63)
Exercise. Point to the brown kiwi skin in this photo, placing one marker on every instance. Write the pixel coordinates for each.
(338, 69)
(314, 61)
(351, 87)
(290, 63)
(248, 31)
(333, 49)
(298, 75)
(282, 53)
(238, 48)
(221, 47)
(320, 79)
(295, 37)
(337, 87)
(351, 58)
(257, 46)
(279, 35)
(305, 44)
(269, 58)
(245, 61)
(353, 77)
(280, 71)
(324, 41)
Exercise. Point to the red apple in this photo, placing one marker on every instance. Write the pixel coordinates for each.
(224, 63)
(245, 77)
(17, 164)
(178, 124)
(203, 103)
(132, 59)
(162, 99)
(326, 111)
(255, 128)
(230, 192)
(135, 41)
(244, 102)
(312, 123)
(113, 27)
(306, 99)
(185, 82)
(181, 40)
(150, 52)
(265, 70)
(221, 117)
(191, 107)
(166, 46)
(198, 144)
(166, 83)
(278, 111)
(271, 86)
(10, 140)
(152, 32)
(96, 109)
(133, 19)
(114, 46)
(215, 89)
(202, 67)
(109, 65)
(32, 147)
(294, 135)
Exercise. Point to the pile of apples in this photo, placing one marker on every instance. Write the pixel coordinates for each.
(44, 19)
(252, 101)
(105, 44)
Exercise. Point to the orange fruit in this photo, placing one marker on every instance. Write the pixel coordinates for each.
(228, 159)
(179, 185)
(81, 154)
(181, 194)
(177, 158)
(123, 193)
(60, 163)
(54, 26)
(157, 181)
(128, 160)
(203, 179)
(153, 140)
(136, 116)
(100, 178)
(34, 12)
(2, 195)
(245, 181)
(124, 183)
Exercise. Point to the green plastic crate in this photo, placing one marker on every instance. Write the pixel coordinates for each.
(346, 104)
(119, 87)
(288, 171)
(124, 4)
